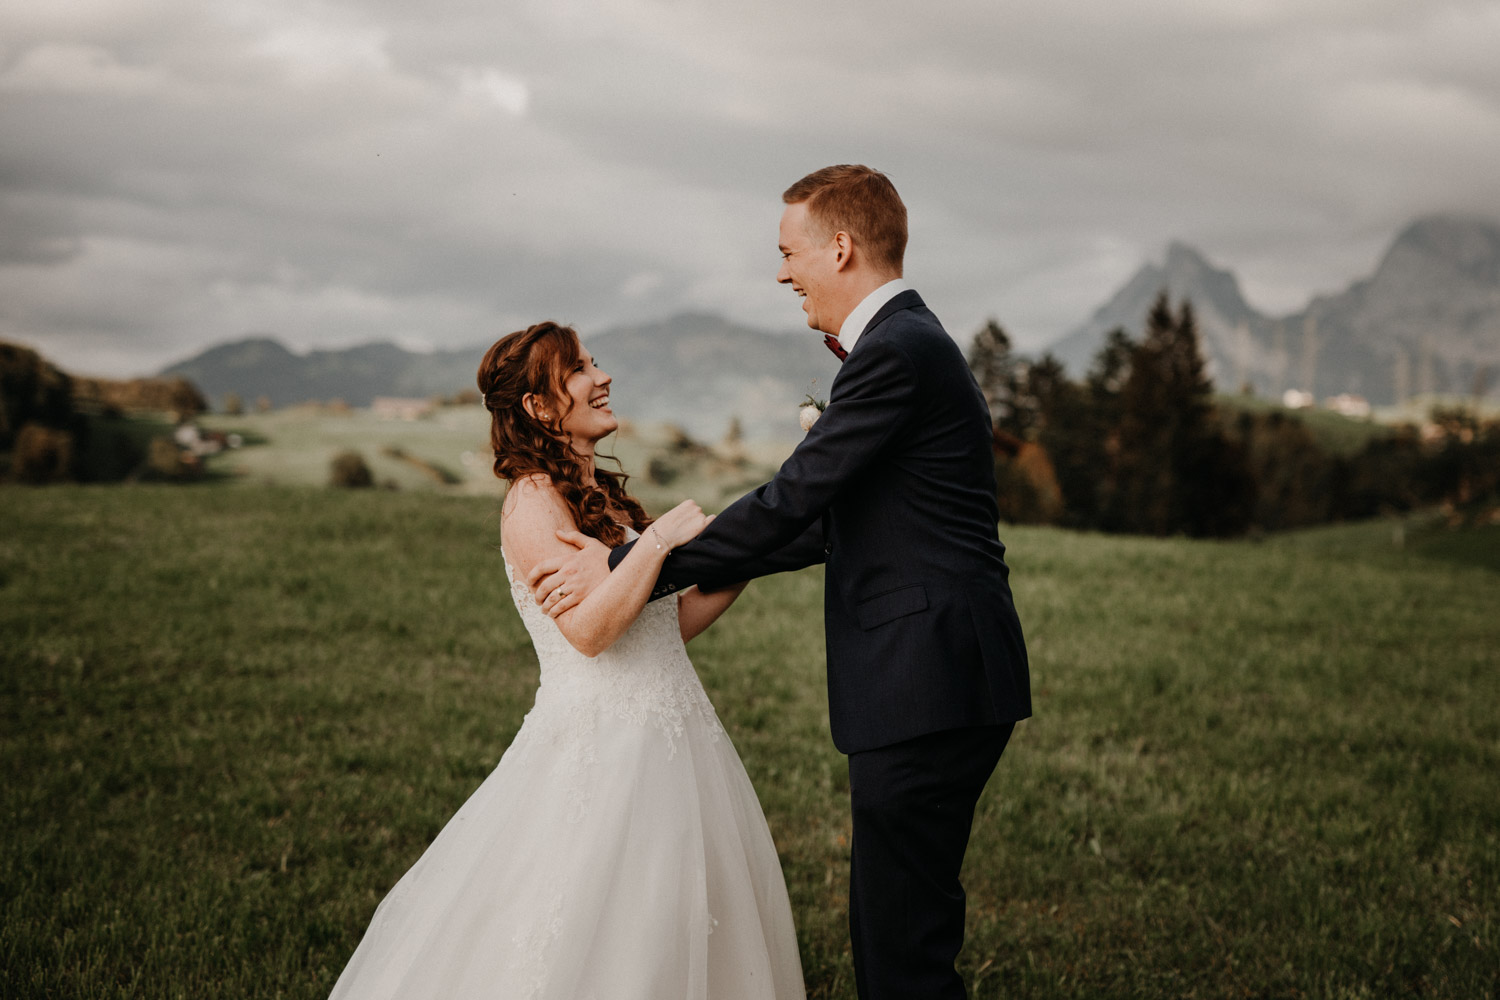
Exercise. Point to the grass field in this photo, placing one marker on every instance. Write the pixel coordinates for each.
(232, 717)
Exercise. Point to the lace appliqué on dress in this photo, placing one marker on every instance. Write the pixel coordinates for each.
(531, 943)
(644, 678)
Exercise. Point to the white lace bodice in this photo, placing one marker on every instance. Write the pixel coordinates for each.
(644, 678)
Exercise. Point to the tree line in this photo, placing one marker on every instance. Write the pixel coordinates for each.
(57, 427)
(1140, 445)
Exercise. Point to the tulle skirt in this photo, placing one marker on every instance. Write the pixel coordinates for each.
(603, 859)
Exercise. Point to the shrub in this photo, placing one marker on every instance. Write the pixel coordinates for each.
(1026, 482)
(108, 449)
(165, 460)
(42, 454)
(31, 391)
(679, 442)
(349, 471)
(661, 472)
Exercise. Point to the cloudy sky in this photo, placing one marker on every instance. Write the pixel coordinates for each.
(178, 173)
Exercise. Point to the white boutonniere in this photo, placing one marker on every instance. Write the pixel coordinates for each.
(809, 411)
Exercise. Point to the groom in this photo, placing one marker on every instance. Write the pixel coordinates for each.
(894, 489)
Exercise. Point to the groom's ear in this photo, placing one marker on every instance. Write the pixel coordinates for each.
(843, 250)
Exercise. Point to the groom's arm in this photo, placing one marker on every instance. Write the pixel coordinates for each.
(807, 549)
(561, 583)
(874, 396)
(873, 399)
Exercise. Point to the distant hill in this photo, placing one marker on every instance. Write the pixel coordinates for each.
(700, 370)
(1427, 320)
(263, 366)
(695, 370)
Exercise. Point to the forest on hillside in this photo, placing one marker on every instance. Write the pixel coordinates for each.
(1141, 445)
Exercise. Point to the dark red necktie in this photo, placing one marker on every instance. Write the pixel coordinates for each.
(832, 343)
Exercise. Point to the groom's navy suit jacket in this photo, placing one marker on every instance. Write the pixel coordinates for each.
(894, 488)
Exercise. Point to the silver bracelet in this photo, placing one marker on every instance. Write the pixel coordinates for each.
(653, 531)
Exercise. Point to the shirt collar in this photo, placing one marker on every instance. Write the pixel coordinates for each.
(859, 318)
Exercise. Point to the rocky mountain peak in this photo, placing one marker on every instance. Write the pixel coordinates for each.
(1185, 273)
(1189, 274)
(1427, 321)
(1186, 259)
(1460, 247)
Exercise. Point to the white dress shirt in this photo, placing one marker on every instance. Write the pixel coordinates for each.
(860, 316)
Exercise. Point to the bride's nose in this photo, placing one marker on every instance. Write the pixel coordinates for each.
(602, 377)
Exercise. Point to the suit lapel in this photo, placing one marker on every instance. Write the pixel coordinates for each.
(908, 299)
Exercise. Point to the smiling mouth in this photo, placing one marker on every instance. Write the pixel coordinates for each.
(599, 404)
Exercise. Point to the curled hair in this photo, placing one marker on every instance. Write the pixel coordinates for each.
(859, 201)
(536, 361)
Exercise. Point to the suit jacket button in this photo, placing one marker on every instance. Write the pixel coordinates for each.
(828, 548)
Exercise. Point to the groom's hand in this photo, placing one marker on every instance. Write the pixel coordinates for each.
(562, 582)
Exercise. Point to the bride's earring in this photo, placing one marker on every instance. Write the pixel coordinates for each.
(537, 414)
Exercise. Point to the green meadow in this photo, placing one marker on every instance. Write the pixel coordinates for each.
(234, 714)
(448, 451)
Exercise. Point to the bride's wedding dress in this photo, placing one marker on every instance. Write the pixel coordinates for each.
(617, 851)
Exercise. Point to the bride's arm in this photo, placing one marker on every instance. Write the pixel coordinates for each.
(534, 513)
(696, 610)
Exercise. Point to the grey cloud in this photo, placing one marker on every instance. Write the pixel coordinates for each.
(186, 172)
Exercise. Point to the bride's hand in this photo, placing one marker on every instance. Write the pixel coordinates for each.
(679, 525)
(562, 582)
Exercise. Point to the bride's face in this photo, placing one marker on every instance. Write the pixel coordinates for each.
(587, 388)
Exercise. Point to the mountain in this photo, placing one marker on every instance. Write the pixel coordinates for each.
(1427, 320)
(1225, 319)
(699, 370)
(263, 366)
(695, 370)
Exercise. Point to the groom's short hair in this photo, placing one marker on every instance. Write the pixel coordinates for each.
(859, 201)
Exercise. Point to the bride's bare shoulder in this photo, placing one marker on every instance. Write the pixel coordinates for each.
(528, 491)
(533, 510)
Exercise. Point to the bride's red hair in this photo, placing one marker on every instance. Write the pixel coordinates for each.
(537, 361)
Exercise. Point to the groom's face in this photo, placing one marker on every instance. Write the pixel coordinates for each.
(808, 264)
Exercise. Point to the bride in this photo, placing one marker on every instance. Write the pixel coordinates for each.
(617, 850)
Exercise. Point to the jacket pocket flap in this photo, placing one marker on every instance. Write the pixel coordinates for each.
(878, 610)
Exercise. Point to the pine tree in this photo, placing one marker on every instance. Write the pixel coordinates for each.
(990, 360)
(1175, 470)
(1064, 420)
(1111, 365)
